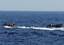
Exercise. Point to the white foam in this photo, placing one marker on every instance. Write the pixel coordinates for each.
(38, 28)
(9, 27)
(23, 27)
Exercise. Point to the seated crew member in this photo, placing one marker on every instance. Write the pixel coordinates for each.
(12, 25)
(55, 25)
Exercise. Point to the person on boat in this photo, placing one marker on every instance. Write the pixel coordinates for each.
(9, 24)
(55, 25)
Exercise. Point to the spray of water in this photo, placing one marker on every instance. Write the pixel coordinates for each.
(40, 28)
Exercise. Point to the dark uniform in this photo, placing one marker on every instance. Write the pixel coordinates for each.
(9, 24)
(55, 25)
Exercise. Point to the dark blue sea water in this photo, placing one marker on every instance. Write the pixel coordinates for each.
(31, 36)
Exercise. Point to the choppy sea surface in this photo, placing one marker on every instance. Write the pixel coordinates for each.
(31, 36)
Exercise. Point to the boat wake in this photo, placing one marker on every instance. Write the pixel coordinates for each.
(38, 28)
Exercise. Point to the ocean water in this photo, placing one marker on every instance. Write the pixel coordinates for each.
(31, 36)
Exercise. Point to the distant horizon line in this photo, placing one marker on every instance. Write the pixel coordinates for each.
(31, 10)
(26, 10)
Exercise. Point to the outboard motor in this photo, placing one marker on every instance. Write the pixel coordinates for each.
(55, 25)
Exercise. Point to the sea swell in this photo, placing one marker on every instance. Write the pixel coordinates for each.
(31, 36)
